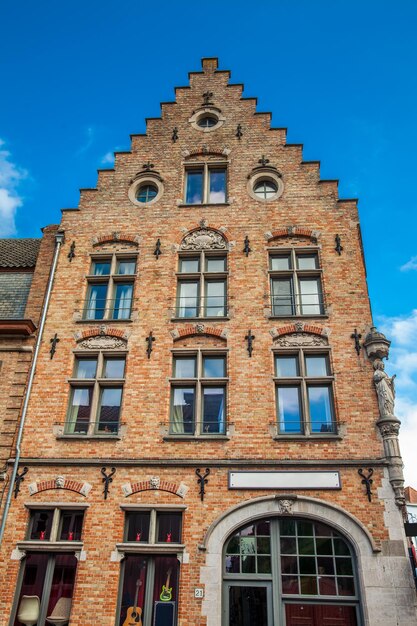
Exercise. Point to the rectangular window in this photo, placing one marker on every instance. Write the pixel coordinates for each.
(304, 393)
(96, 395)
(198, 408)
(110, 288)
(295, 284)
(202, 286)
(55, 524)
(153, 526)
(206, 184)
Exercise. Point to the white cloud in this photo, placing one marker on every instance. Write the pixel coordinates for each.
(402, 331)
(108, 158)
(411, 265)
(10, 177)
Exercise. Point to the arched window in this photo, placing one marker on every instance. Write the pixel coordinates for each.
(297, 568)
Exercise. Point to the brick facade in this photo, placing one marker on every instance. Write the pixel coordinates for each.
(155, 469)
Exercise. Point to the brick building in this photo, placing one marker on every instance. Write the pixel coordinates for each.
(194, 443)
(24, 271)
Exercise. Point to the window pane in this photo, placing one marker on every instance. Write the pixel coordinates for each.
(316, 366)
(188, 299)
(165, 591)
(215, 264)
(109, 412)
(182, 417)
(286, 366)
(310, 296)
(217, 191)
(138, 526)
(213, 410)
(126, 267)
(134, 587)
(62, 588)
(320, 409)
(114, 368)
(79, 411)
(307, 261)
(280, 262)
(289, 410)
(282, 297)
(71, 525)
(184, 367)
(85, 368)
(41, 524)
(33, 581)
(96, 302)
(215, 305)
(214, 367)
(169, 527)
(101, 268)
(194, 187)
(190, 266)
(265, 189)
(123, 301)
(146, 193)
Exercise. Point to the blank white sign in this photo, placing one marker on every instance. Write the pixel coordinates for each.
(284, 480)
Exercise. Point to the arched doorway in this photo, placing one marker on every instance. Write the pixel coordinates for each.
(290, 571)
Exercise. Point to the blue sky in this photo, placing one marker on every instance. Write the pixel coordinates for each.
(78, 77)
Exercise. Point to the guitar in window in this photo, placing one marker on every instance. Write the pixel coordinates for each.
(166, 593)
(134, 613)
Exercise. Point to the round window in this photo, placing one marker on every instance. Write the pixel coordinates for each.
(146, 193)
(265, 189)
(208, 121)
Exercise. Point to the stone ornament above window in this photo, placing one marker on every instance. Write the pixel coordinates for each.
(100, 342)
(203, 239)
(207, 119)
(146, 188)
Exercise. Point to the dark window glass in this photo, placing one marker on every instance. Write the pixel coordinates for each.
(126, 267)
(169, 527)
(41, 524)
(189, 265)
(96, 302)
(123, 301)
(114, 368)
(282, 296)
(138, 526)
(265, 189)
(289, 410)
(101, 268)
(217, 186)
(71, 525)
(146, 193)
(213, 409)
(109, 411)
(286, 366)
(194, 187)
(207, 121)
(79, 410)
(184, 367)
(183, 410)
(85, 368)
(214, 367)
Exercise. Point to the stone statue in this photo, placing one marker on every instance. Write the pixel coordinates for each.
(385, 389)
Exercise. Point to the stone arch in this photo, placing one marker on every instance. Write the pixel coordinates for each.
(102, 338)
(60, 482)
(204, 238)
(199, 329)
(154, 484)
(116, 237)
(293, 231)
(300, 333)
(211, 574)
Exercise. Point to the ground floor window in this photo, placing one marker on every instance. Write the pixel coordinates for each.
(149, 590)
(289, 571)
(47, 587)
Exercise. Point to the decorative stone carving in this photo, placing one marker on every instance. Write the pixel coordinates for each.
(182, 490)
(200, 328)
(299, 327)
(85, 489)
(385, 389)
(389, 428)
(203, 222)
(376, 345)
(203, 239)
(59, 482)
(103, 342)
(300, 339)
(154, 482)
(127, 489)
(285, 506)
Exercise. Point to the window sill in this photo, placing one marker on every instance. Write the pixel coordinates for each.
(50, 546)
(200, 204)
(105, 321)
(196, 437)
(95, 436)
(224, 318)
(300, 317)
(308, 438)
(149, 548)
